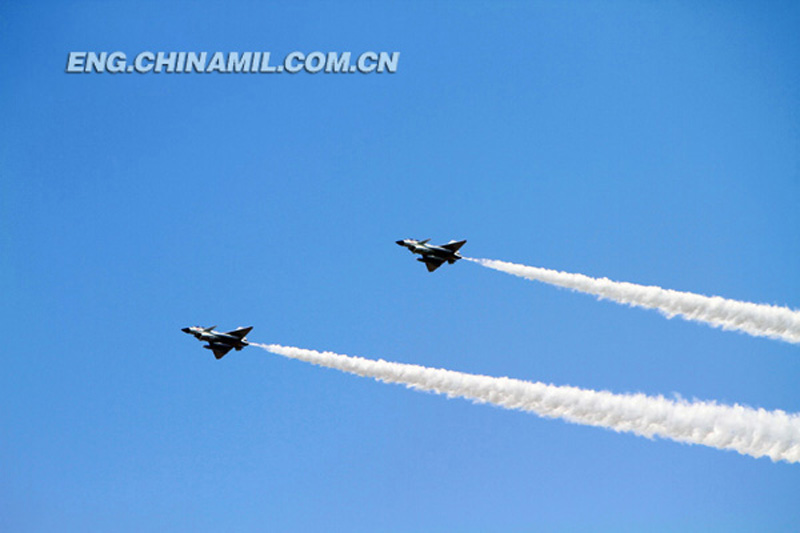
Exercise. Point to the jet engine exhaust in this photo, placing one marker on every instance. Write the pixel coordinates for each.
(754, 432)
(759, 320)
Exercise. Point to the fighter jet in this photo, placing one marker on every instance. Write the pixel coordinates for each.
(220, 343)
(432, 255)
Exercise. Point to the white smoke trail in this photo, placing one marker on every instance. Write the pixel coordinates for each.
(760, 320)
(754, 432)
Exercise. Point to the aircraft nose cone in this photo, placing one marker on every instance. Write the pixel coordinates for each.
(400, 242)
(186, 330)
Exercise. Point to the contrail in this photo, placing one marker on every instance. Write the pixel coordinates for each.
(760, 320)
(755, 432)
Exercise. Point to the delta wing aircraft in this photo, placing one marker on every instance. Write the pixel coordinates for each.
(432, 255)
(220, 343)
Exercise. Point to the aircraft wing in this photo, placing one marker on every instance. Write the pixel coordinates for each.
(454, 246)
(432, 263)
(240, 332)
(219, 349)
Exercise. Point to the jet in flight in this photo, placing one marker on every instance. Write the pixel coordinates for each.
(432, 255)
(220, 343)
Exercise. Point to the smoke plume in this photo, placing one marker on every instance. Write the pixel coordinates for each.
(760, 320)
(749, 431)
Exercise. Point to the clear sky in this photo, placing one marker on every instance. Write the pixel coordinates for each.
(656, 143)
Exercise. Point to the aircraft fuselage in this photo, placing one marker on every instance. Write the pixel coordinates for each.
(432, 255)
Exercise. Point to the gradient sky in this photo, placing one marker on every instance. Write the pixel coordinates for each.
(646, 142)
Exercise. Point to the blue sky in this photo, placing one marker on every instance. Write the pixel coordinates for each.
(648, 143)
